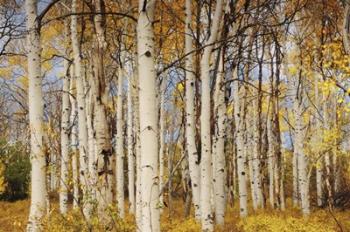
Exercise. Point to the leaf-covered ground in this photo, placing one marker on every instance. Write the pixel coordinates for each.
(13, 216)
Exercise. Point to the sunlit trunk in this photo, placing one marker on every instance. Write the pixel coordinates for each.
(36, 111)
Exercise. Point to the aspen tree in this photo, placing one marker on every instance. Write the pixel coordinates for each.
(299, 134)
(130, 145)
(103, 151)
(82, 132)
(63, 193)
(74, 140)
(120, 147)
(36, 111)
(148, 118)
(136, 132)
(193, 158)
(162, 122)
(219, 149)
(206, 155)
(319, 163)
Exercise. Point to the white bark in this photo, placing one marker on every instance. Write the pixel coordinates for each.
(90, 130)
(319, 163)
(248, 152)
(74, 142)
(193, 158)
(206, 155)
(103, 151)
(271, 157)
(299, 133)
(63, 193)
(295, 178)
(138, 206)
(241, 159)
(219, 153)
(130, 145)
(162, 119)
(82, 132)
(36, 111)
(148, 118)
(120, 148)
(256, 154)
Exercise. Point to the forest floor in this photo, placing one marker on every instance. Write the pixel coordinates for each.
(13, 218)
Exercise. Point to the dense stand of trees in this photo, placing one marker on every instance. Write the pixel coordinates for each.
(123, 101)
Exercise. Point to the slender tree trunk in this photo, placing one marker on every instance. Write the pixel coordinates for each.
(74, 142)
(219, 152)
(65, 130)
(138, 215)
(162, 119)
(120, 147)
(82, 132)
(148, 118)
(206, 155)
(257, 151)
(295, 178)
(299, 133)
(319, 163)
(36, 111)
(90, 130)
(239, 114)
(193, 158)
(327, 159)
(130, 145)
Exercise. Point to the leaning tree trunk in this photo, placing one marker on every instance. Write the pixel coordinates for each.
(63, 193)
(148, 118)
(36, 111)
(206, 155)
(193, 158)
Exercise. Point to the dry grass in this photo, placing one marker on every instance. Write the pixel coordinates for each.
(13, 217)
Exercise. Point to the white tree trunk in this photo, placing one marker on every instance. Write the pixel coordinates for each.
(138, 214)
(319, 163)
(302, 160)
(36, 111)
(130, 146)
(162, 119)
(90, 130)
(256, 154)
(74, 141)
(295, 178)
(206, 155)
(248, 152)
(271, 156)
(193, 158)
(148, 118)
(65, 130)
(82, 132)
(103, 151)
(219, 153)
(239, 105)
(120, 147)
